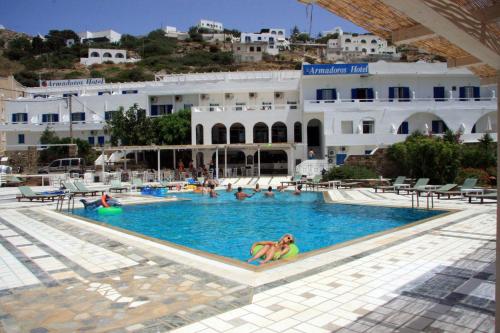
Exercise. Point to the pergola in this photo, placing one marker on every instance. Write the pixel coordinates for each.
(465, 32)
(217, 147)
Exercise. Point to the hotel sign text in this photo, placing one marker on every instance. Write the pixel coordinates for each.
(335, 69)
(71, 83)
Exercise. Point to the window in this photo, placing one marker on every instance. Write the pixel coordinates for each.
(239, 106)
(19, 117)
(237, 133)
(266, 106)
(401, 94)
(125, 92)
(161, 110)
(106, 55)
(199, 134)
(368, 126)
(119, 55)
(469, 92)
(50, 118)
(403, 128)
(374, 41)
(259, 49)
(439, 94)
(91, 140)
(20, 139)
(279, 133)
(252, 48)
(362, 94)
(347, 40)
(372, 50)
(292, 105)
(100, 140)
(346, 127)
(248, 39)
(260, 133)
(363, 41)
(78, 116)
(297, 132)
(188, 106)
(70, 94)
(65, 163)
(107, 92)
(94, 55)
(213, 106)
(368, 152)
(108, 115)
(326, 94)
(439, 127)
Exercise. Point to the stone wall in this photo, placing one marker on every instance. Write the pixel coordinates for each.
(25, 160)
(378, 162)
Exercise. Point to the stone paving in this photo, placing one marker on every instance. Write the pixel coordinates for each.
(57, 276)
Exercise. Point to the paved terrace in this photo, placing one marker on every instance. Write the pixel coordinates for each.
(60, 274)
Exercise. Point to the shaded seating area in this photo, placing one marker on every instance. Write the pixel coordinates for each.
(28, 194)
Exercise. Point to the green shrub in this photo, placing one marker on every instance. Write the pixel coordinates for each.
(482, 176)
(350, 172)
(74, 75)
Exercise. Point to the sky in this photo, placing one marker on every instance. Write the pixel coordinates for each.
(141, 16)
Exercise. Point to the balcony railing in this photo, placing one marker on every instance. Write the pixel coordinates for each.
(401, 100)
(229, 108)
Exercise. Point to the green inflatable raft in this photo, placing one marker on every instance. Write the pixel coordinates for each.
(294, 250)
(109, 210)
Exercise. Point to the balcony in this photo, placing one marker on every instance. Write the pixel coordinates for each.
(238, 108)
(37, 126)
(381, 104)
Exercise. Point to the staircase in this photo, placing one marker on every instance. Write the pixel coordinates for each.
(311, 168)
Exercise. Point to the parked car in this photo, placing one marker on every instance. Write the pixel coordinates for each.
(64, 165)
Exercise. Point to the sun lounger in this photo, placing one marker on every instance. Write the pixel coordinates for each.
(116, 186)
(82, 189)
(482, 196)
(466, 188)
(442, 189)
(347, 184)
(398, 183)
(419, 185)
(29, 194)
(137, 184)
(314, 182)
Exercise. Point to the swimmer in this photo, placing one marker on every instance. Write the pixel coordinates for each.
(240, 195)
(270, 249)
(269, 192)
(212, 192)
(229, 188)
(281, 188)
(298, 190)
(257, 188)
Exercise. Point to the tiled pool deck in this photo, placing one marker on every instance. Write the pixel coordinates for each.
(60, 274)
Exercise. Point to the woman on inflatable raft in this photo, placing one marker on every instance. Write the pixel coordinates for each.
(267, 250)
(105, 201)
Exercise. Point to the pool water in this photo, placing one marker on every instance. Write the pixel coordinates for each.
(228, 227)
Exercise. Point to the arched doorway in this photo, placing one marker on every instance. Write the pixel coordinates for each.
(314, 137)
(199, 134)
(272, 162)
(260, 133)
(237, 133)
(423, 122)
(219, 134)
(297, 132)
(279, 133)
(486, 124)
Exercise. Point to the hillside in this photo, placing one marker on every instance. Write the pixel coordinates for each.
(32, 58)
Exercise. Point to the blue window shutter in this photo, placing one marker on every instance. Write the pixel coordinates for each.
(404, 128)
(25, 117)
(44, 118)
(154, 110)
(476, 92)
(100, 140)
(354, 93)
(435, 126)
(91, 140)
(439, 94)
(334, 94)
(319, 94)
(370, 93)
(56, 118)
(20, 138)
(406, 94)
(462, 93)
(473, 129)
(391, 93)
(14, 118)
(170, 107)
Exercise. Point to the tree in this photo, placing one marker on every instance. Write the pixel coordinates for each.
(131, 127)
(46, 156)
(174, 129)
(56, 39)
(19, 48)
(302, 37)
(294, 31)
(481, 155)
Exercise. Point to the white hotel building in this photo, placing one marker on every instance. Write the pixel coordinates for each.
(277, 115)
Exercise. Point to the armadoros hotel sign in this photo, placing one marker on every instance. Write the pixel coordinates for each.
(335, 69)
(71, 83)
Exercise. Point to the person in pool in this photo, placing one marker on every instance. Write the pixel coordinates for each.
(270, 250)
(106, 201)
(240, 195)
(229, 188)
(298, 190)
(257, 188)
(269, 192)
(212, 193)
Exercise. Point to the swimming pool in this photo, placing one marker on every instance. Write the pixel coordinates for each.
(227, 227)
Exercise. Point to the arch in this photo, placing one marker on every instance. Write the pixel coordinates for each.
(424, 122)
(260, 133)
(347, 40)
(272, 162)
(363, 50)
(297, 132)
(486, 124)
(119, 55)
(106, 55)
(219, 134)
(314, 135)
(237, 133)
(235, 158)
(374, 41)
(279, 132)
(199, 134)
(94, 55)
(363, 41)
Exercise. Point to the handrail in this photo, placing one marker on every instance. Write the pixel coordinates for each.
(225, 108)
(401, 100)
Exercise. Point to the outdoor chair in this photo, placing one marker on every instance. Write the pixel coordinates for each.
(137, 184)
(398, 183)
(314, 182)
(481, 196)
(29, 194)
(83, 188)
(466, 188)
(116, 186)
(441, 189)
(419, 185)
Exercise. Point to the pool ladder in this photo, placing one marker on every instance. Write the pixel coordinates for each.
(71, 202)
(429, 204)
